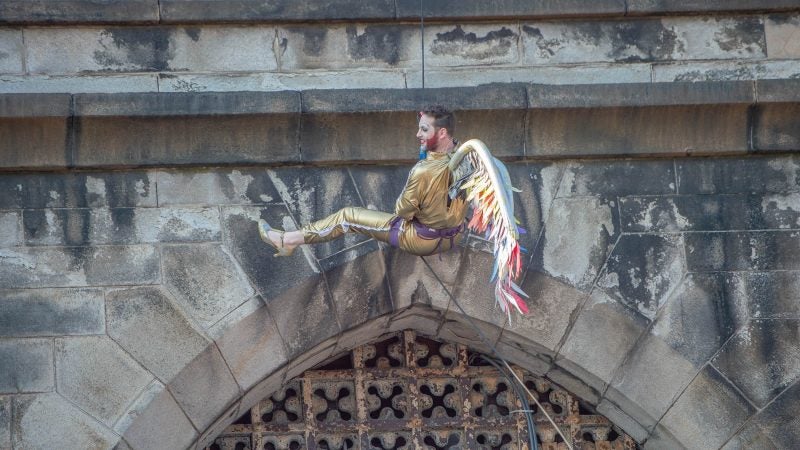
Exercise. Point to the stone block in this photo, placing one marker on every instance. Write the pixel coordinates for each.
(314, 193)
(778, 91)
(379, 186)
(269, 276)
(278, 81)
(538, 183)
(724, 70)
(762, 359)
(79, 266)
(623, 420)
(472, 44)
(218, 427)
(162, 424)
(783, 36)
(5, 422)
(742, 250)
(14, 84)
(634, 40)
(780, 420)
(221, 48)
(602, 334)
(263, 389)
(552, 304)
(176, 128)
(95, 374)
(424, 320)
(509, 9)
(70, 11)
(28, 365)
(350, 255)
(366, 332)
(643, 270)
(638, 7)
(350, 46)
(309, 299)
(773, 295)
(749, 436)
(205, 387)
(661, 439)
(205, 281)
(146, 324)
(75, 227)
(775, 127)
(10, 229)
(215, 187)
(66, 425)
(253, 348)
(617, 178)
(282, 10)
(413, 283)
(78, 190)
(675, 130)
(360, 290)
(578, 234)
(773, 174)
(573, 75)
(11, 50)
(35, 130)
(234, 317)
(51, 312)
(474, 291)
(138, 405)
(708, 412)
(574, 385)
(313, 357)
(521, 352)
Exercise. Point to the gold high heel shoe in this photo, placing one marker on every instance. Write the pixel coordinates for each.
(263, 232)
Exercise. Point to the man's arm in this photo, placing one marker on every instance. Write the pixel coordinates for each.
(407, 205)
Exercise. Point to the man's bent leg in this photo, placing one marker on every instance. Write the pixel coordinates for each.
(364, 221)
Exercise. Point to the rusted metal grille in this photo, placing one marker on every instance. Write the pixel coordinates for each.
(410, 392)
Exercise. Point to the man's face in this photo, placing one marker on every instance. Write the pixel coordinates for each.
(427, 134)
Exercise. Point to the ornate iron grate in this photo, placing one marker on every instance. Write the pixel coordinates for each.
(410, 392)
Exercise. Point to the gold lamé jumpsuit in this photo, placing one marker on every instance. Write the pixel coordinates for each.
(424, 199)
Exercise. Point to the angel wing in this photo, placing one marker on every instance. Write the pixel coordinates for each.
(487, 185)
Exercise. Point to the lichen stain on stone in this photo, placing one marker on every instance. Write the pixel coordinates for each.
(459, 43)
(382, 43)
(738, 73)
(4, 55)
(545, 46)
(649, 41)
(313, 39)
(193, 33)
(743, 35)
(146, 49)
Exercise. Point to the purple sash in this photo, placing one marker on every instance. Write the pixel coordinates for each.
(424, 232)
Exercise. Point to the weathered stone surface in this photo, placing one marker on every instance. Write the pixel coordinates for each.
(783, 36)
(234, 317)
(702, 314)
(552, 303)
(622, 131)
(754, 250)
(603, 333)
(78, 190)
(10, 229)
(643, 40)
(120, 226)
(623, 420)
(775, 174)
(253, 10)
(473, 290)
(778, 91)
(532, 206)
(457, 328)
(79, 266)
(95, 374)
(412, 283)
(138, 405)
(314, 193)
(162, 424)
(253, 348)
(779, 422)
(675, 6)
(313, 357)
(588, 74)
(205, 387)
(775, 127)
(310, 299)
(33, 142)
(78, 83)
(708, 412)
(221, 49)
(349, 46)
(360, 289)
(710, 213)
(724, 70)
(215, 187)
(749, 436)
(574, 385)
(762, 359)
(10, 50)
(521, 352)
(94, 11)
(51, 312)
(205, 281)
(5, 422)
(379, 187)
(642, 271)
(144, 322)
(424, 320)
(28, 365)
(773, 295)
(218, 427)
(367, 331)
(66, 425)
(578, 234)
(661, 439)
(617, 178)
(507, 8)
(471, 44)
(270, 276)
(277, 81)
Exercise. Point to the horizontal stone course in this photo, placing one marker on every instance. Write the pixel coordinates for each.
(51, 312)
(754, 250)
(27, 365)
(77, 11)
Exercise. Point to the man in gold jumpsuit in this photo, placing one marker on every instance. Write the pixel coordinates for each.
(425, 221)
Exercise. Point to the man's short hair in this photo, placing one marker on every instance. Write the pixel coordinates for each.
(442, 117)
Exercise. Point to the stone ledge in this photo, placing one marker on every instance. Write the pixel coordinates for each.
(78, 11)
(153, 104)
(34, 105)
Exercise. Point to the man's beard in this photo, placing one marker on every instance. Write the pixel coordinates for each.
(430, 144)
